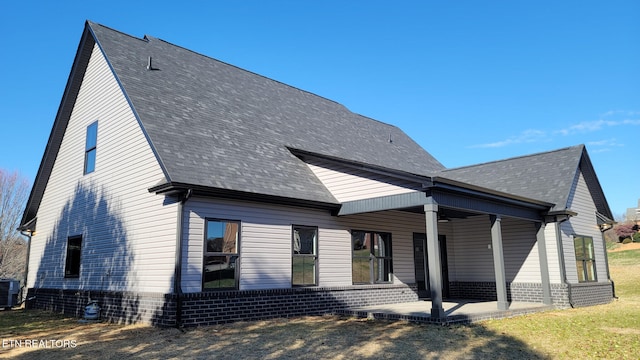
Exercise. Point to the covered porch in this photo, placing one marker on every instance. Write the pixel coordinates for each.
(480, 214)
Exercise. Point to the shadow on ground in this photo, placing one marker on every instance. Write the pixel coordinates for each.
(326, 337)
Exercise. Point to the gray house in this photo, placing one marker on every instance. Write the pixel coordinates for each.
(177, 189)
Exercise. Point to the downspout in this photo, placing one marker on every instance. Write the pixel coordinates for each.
(177, 277)
(28, 235)
(606, 264)
(561, 257)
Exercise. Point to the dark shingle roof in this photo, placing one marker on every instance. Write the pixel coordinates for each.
(215, 125)
(546, 176)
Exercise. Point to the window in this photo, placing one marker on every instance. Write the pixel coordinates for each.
(585, 258)
(305, 256)
(221, 255)
(371, 257)
(90, 148)
(72, 263)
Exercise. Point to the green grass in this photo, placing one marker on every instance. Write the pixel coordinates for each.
(624, 258)
(16, 322)
(610, 331)
(625, 272)
(612, 245)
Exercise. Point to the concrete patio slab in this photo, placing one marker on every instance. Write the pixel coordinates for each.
(457, 311)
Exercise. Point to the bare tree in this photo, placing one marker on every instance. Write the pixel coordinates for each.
(14, 190)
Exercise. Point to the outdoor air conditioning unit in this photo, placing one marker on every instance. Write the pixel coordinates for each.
(9, 290)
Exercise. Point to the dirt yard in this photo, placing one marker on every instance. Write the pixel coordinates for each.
(325, 337)
(585, 333)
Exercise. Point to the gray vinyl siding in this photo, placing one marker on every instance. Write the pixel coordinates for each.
(520, 248)
(471, 257)
(265, 242)
(347, 184)
(583, 224)
(128, 234)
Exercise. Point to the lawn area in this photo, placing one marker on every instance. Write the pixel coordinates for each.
(609, 331)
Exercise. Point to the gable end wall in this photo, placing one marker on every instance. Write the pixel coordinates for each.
(128, 234)
(347, 184)
(585, 224)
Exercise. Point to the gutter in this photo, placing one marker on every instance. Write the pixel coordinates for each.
(606, 261)
(27, 230)
(177, 189)
(177, 277)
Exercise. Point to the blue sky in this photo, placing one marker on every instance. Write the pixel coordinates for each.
(470, 81)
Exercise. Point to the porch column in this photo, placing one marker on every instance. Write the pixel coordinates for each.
(433, 255)
(544, 264)
(498, 262)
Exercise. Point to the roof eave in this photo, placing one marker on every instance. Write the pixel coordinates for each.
(176, 189)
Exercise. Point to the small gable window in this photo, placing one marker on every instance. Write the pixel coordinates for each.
(72, 263)
(585, 258)
(90, 148)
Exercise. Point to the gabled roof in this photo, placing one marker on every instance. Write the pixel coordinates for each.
(547, 176)
(218, 128)
(213, 125)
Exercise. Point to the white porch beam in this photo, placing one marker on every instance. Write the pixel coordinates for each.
(433, 254)
(498, 262)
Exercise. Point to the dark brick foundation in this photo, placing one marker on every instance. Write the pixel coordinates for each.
(117, 307)
(473, 290)
(215, 307)
(589, 294)
(562, 295)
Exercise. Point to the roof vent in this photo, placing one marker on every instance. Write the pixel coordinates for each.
(150, 65)
(390, 139)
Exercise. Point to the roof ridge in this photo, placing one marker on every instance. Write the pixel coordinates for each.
(152, 38)
(149, 38)
(93, 23)
(515, 157)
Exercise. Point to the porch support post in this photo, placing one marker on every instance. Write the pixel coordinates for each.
(544, 264)
(498, 262)
(433, 254)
